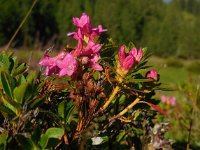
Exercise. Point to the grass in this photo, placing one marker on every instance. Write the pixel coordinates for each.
(174, 73)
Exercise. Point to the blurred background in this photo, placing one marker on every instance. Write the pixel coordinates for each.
(170, 29)
(166, 27)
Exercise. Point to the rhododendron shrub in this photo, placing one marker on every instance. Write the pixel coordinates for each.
(96, 94)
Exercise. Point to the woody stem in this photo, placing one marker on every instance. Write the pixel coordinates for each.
(115, 91)
(125, 110)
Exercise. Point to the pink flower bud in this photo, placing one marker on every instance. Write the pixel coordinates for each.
(152, 74)
(128, 62)
(121, 55)
(125, 62)
(137, 54)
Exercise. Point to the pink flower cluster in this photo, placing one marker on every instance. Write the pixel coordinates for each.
(86, 52)
(169, 100)
(125, 61)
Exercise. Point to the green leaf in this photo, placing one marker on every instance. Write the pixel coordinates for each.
(36, 134)
(145, 50)
(6, 110)
(19, 93)
(43, 141)
(20, 69)
(96, 75)
(9, 105)
(31, 77)
(61, 109)
(51, 133)
(12, 65)
(122, 99)
(21, 79)
(136, 115)
(8, 84)
(30, 92)
(65, 110)
(120, 135)
(131, 45)
(26, 143)
(4, 61)
(55, 133)
(3, 138)
(36, 102)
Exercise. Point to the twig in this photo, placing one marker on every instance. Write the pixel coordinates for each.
(126, 109)
(115, 91)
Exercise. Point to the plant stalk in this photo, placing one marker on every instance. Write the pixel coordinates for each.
(129, 107)
(115, 91)
(125, 110)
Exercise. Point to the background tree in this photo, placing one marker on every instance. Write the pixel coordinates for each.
(166, 28)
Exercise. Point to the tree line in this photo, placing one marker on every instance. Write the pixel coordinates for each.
(165, 28)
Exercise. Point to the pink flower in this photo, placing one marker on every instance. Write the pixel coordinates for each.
(50, 63)
(94, 63)
(100, 29)
(91, 49)
(68, 66)
(96, 31)
(126, 62)
(168, 100)
(78, 50)
(85, 30)
(152, 74)
(76, 35)
(173, 100)
(137, 54)
(83, 21)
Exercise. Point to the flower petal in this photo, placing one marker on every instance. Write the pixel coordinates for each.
(139, 55)
(128, 62)
(121, 55)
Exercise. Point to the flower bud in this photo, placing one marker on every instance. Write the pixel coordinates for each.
(152, 74)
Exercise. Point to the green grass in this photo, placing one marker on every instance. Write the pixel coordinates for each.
(32, 57)
(174, 74)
